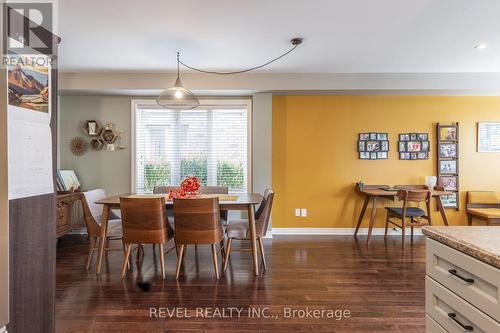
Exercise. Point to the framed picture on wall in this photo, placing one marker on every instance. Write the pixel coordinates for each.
(364, 155)
(423, 156)
(448, 133)
(375, 145)
(425, 146)
(372, 146)
(450, 201)
(488, 137)
(404, 156)
(382, 155)
(416, 144)
(450, 183)
(404, 137)
(382, 136)
(364, 136)
(448, 167)
(423, 137)
(447, 150)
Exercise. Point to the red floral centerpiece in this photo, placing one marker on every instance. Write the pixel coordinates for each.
(189, 189)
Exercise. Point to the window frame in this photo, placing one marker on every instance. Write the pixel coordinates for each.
(204, 102)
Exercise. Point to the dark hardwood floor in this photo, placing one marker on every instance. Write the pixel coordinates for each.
(381, 286)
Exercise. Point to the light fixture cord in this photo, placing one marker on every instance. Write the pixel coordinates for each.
(235, 72)
(178, 61)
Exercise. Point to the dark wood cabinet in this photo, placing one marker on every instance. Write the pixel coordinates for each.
(69, 214)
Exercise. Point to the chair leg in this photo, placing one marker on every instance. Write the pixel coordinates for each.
(469, 219)
(125, 260)
(124, 253)
(386, 225)
(91, 251)
(179, 261)
(216, 262)
(222, 250)
(228, 251)
(261, 247)
(162, 261)
(403, 221)
(411, 232)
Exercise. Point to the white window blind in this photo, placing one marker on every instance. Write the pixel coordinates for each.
(210, 143)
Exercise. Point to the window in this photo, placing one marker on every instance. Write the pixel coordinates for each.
(211, 143)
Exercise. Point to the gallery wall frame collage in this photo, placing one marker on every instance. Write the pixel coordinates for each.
(416, 146)
(411, 146)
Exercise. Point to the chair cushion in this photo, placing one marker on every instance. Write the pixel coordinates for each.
(482, 197)
(410, 211)
(115, 228)
(237, 229)
(491, 213)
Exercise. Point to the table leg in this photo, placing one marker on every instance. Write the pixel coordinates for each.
(253, 238)
(441, 210)
(363, 210)
(372, 219)
(102, 240)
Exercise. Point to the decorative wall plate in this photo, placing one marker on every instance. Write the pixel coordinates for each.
(78, 146)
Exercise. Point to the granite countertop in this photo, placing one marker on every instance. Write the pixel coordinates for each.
(482, 243)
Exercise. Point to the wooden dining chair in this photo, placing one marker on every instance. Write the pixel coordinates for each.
(145, 221)
(415, 214)
(202, 190)
(92, 214)
(239, 229)
(197, 222)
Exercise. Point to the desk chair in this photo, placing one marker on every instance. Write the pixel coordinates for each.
(415, 214)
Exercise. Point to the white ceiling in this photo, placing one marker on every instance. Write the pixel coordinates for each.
(340, 36)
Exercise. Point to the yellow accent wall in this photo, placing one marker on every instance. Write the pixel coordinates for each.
(315, 163)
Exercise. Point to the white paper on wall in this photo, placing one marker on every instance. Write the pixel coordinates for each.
(29, 133)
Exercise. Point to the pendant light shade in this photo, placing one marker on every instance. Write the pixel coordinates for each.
(178, 97)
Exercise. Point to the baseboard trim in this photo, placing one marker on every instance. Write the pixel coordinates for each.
(338, 231)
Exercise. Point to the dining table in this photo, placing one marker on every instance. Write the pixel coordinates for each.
(241, 202)
(376, 192)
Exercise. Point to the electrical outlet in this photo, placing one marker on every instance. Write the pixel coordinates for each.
(303, 212)
(297, 212)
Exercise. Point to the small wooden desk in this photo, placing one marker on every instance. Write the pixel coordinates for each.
(378, 193)
(245, 201)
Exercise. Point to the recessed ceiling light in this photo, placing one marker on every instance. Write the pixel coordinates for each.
(480, 46)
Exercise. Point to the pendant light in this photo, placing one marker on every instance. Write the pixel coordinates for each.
(178, 97)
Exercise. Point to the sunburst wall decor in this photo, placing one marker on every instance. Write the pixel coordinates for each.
(78, 146)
